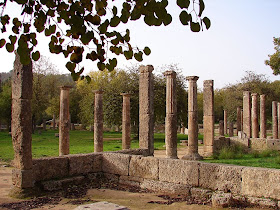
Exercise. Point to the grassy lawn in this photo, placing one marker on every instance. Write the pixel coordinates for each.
(46, 144)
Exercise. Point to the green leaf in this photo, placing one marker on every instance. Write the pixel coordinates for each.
(195, 27)
(115, 21)
(115, 10)
(36, 55)
(101, 66)
(13, 39)
(185, 18)
(114, 62)
(183, 3)
(147, 51)
(70, 66)
(2, 42)
(138, 56)
(75, 76)
(167, 20)
(128, 54)
(76, 57)
(10, 47)
(201, 7)
(207, 22)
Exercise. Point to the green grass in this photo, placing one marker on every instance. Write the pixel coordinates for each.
(46, 144)
(237, 155)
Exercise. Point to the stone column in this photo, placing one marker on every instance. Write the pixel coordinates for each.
(64, 123)
(221, 128)
(278, 118)
(208, 117)
(53, 121)
(238, 120)
(274, 120)
(182, 131)
(22, 80)
(171, 115)
(146, 108)
(255, 121)
(247, 113)
(262, 117)
(98, 121)
(230, 129)
(241, 120)
(126, 121)
(192, 121)
(225, 122)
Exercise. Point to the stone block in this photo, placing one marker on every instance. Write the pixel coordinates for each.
(221, 177)
(130, 181)
(22, 178)
(54, 185)
(50, 168)
(144, 167)
(201, 194)
(222, 200)
(116, 163)
(262, 202)
(84, 163)
(261, 182)
(179, 171)
(165, 187)
(102, 205)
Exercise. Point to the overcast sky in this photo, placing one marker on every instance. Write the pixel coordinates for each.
(239, 40)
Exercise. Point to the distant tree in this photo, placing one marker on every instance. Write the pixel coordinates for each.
(274, 59)
(6, 103)
(88, 29)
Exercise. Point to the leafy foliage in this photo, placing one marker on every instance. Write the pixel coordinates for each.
(85, 29)
(274, 59)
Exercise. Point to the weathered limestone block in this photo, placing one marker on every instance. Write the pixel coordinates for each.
(258, 144)
(261, 182)
(200, 193)
(222, 200)
(116, 163)
(226, 178)
(130, 181)
(262, 202)
(84, 163)
(22, 178)
(179, 171)
(101, 205)
(165, 187)
(54, 185)
(50, 168)
(144, 167)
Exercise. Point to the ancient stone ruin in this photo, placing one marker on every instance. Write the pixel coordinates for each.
(137, 167)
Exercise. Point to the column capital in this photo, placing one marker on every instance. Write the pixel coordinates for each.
(125, 94)
(170, 73)
(65, 87)
(146, 69)
(192, 78)
(254, 94)
(98, 91)
(246, 93)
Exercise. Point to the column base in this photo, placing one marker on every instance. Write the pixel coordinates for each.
(193, 156)
(172, 157)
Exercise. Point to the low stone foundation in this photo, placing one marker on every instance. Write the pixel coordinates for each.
(169, 176)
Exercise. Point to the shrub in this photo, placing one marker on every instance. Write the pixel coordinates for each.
(235, 151)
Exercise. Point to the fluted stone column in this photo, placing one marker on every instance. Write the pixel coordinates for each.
(262, 117)
(238, 120)
(221, 128)
(53, 121)
(98, 121)
(64, 121)
(225, 122)
(230, 129)
(171, 115)
(126, 121)
(274, 120)
(21, 125)
(255, 121)
(278, 118)
(146, 108)
(208, 117)
(192, 121)
(247, 113)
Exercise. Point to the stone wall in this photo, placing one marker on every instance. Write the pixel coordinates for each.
(173, 176)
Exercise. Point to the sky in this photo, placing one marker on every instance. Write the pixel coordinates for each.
(239, 39)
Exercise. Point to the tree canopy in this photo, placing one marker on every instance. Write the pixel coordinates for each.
(89, 29)
(274, 59)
